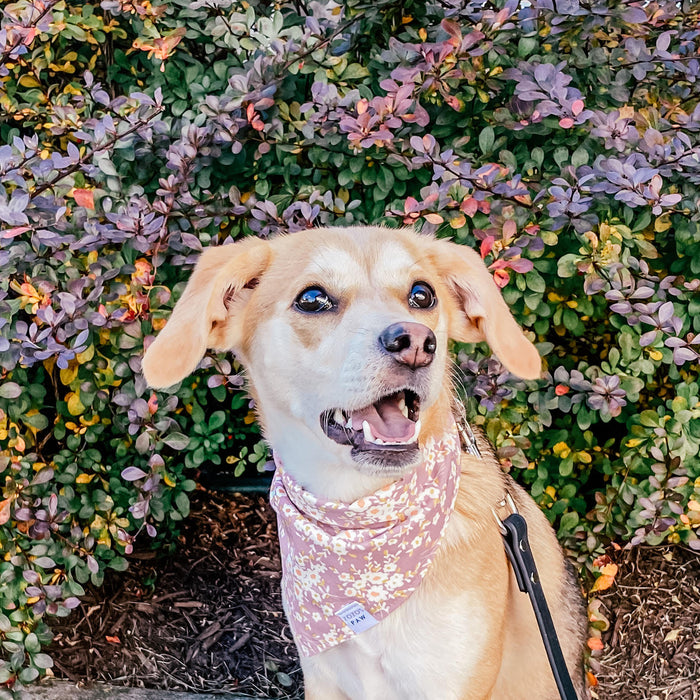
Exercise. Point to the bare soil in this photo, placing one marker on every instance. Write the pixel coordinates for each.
(209, 617)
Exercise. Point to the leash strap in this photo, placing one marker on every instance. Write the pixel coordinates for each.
(514, 531)
(517, 545)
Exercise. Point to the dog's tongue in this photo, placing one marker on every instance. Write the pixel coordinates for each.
(385, 419)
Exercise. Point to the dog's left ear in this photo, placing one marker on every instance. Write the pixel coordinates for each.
(210, 312)
(484, 315)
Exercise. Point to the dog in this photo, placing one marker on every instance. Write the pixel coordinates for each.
(343, 333)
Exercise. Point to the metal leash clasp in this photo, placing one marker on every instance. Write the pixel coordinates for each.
(506, 502)
(466, 435)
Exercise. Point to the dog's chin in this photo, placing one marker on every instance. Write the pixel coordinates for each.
(386, 463)
(383, 436)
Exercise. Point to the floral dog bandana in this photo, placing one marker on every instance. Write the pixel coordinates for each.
(346, 566)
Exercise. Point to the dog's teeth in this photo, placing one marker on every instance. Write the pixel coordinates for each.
(416, 431)
(403, 408)
(338, 417)
(366, 430)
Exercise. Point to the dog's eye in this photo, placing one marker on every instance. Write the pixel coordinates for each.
(421, 296)
(313, 300)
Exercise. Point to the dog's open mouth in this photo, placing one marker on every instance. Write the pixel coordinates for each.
(391, 424)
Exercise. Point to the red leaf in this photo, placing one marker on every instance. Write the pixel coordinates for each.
(487, 245)
(12, 232)
(501, 278)
(561, 389)
(510, 228)
(5, 510)
(469, 206)
(84, 198)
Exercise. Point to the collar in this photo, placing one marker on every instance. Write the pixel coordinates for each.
(346, 566)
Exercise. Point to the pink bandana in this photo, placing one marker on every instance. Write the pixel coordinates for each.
(346, 566)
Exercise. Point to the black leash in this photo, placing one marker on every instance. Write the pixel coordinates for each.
(517, 545)
(514, 531)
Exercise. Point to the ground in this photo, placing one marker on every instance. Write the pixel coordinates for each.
(208, 618)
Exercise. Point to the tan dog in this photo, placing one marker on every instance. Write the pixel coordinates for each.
(358, 319)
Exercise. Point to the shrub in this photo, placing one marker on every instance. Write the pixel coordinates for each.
(561, 140)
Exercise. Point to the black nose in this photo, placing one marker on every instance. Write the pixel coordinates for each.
(411, 344)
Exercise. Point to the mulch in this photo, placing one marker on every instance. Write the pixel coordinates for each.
(652, 648)
(209, 616)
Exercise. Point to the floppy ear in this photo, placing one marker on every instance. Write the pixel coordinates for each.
(484, 315)
(209, 312)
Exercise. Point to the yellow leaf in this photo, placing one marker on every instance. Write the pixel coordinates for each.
(33, 599)
(75, 407)
(693, 505)
(672, 635)
(634, 442)
(584, 457)
(169, 480)
(29, 81)
(663, 223)
(86, 355)
(84, 478)
(250, 418)
(655, 354)
(69, 374)
(458, 221)
(626, 112)
(561, 450)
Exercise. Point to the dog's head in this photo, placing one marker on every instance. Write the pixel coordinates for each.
(344, 335)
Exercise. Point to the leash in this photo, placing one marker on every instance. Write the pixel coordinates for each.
(517, 546)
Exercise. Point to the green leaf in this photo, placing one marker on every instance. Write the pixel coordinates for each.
(216, 420)
(385, 180)
(10, 390)
(568, 522)
(29, 674)
(183, 503)
(566, 267)
(486, 140)
(355, 71)
(31, 643)
(42, 660)
(177, 441)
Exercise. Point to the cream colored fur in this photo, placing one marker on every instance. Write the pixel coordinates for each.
(467, 632)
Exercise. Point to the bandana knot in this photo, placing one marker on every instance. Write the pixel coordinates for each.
(346, 566)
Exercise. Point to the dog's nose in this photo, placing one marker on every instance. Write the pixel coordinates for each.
(411, 344)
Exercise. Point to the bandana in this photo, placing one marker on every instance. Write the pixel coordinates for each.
(346, 566)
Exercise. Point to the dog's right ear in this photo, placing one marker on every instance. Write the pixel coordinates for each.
(209, 312)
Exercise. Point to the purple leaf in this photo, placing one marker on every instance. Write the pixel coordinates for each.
(647, 338)
(133, 474)
(45, 562)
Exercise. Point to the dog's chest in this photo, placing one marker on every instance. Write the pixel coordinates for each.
(440, 638)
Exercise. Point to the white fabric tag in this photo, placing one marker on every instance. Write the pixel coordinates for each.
(356, 617)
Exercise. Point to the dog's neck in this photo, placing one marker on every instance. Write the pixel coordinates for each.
(326, 469)
(319, 465)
